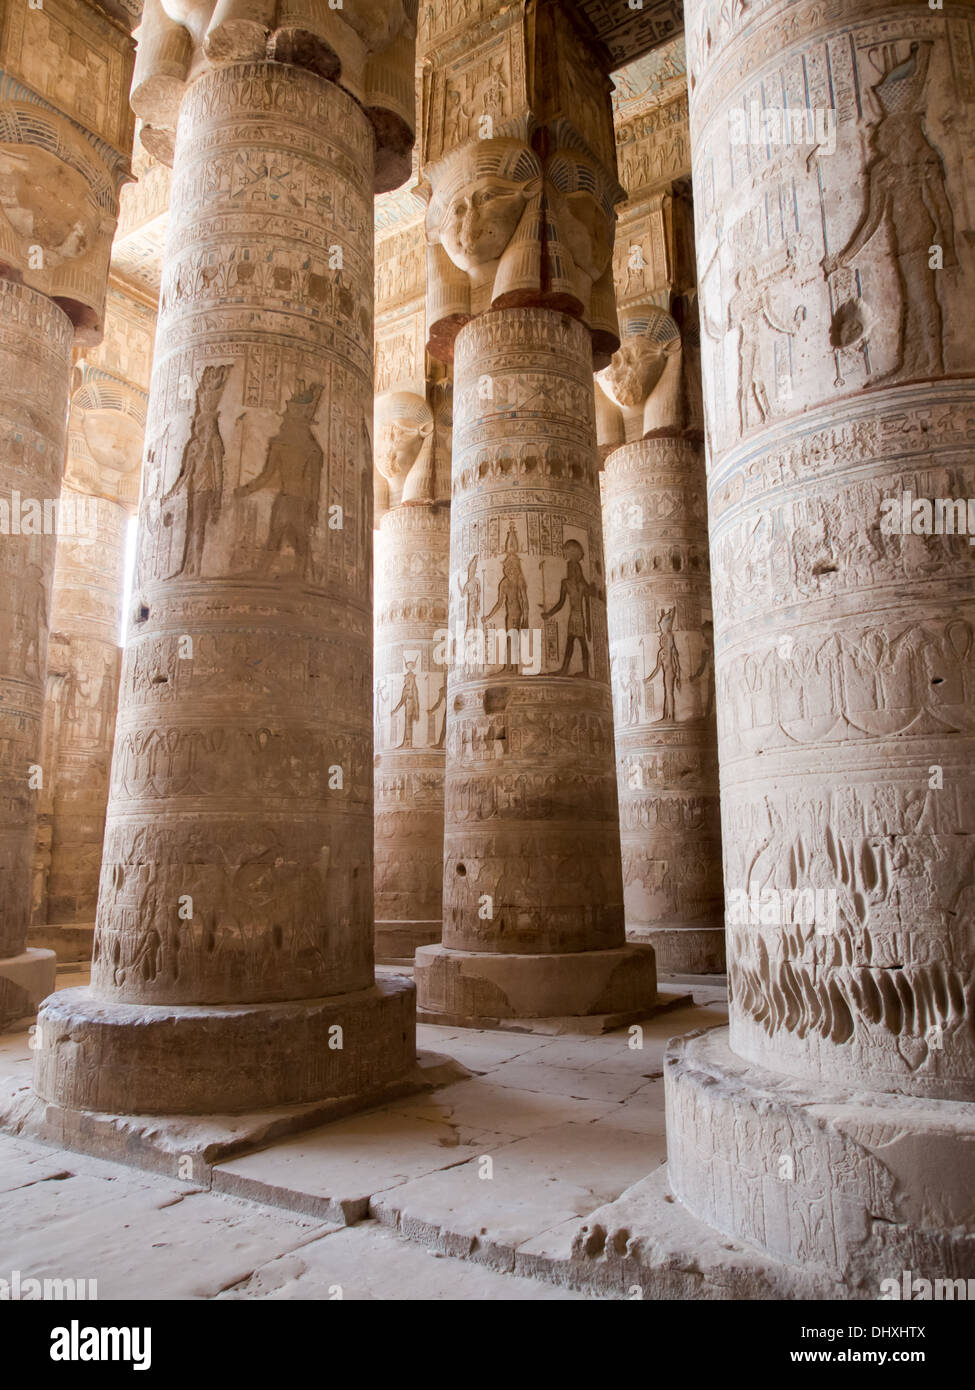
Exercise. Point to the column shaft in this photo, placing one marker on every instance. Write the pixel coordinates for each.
(662, 653)
(83, 683)
(836, 278)
(35, 362)
(533, 911)
(412, 557)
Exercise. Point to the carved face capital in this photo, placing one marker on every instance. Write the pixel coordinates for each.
(403, 422)
(47, 203)
(480, 221)
(634, 372)
(652, 338)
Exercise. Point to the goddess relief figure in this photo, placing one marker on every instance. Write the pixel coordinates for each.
(409, 703)
(512, 592)
(906, 197)
(668, 664)
(200, 475)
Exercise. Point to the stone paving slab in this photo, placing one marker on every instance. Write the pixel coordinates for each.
(333, 1172)
(369, 1261)
(486, 1211)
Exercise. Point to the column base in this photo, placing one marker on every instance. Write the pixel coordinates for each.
(24, 981)
(128, 1059)
(480, 989)
(396, 942)
(847, 1185)
(683, 950)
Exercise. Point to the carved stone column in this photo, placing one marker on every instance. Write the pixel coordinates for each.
(99, 495)
(520, 226)
(662, 652)
(412, 553)
(233, 965)
(412, 455)
(836, 266)
(64, 149)
(35, 361)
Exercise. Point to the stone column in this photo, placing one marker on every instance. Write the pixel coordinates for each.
(35, 362)
(661, 640)
(412, 554)
(836, 266)
(64, 151)
(532, 902)
(98, 496)
(233, 963)
(412, 448)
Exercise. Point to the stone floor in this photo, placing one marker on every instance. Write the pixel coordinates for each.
(500, 1169)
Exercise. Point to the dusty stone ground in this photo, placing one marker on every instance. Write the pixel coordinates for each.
(502, 1167)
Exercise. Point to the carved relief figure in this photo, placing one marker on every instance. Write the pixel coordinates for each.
(512, 591)
(750, 310)
(667, 664)
(440, 700)
(294, 465)
(643, 379)
(705, 667)
(577, 591)
(200, 476)
(471, 592)
(409, 703)
(906, 198)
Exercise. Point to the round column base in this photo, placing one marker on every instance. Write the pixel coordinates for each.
(397, 942)
(135, 1059)
(683, 950)
(24, 981)
(856, 1185)
(468, 986)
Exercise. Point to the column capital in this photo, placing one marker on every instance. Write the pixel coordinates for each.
(367, 48)
(65, 147)
(105, 432)
(518, 166)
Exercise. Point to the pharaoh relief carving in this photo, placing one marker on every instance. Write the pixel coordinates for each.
(863, 284)
(906, 200)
